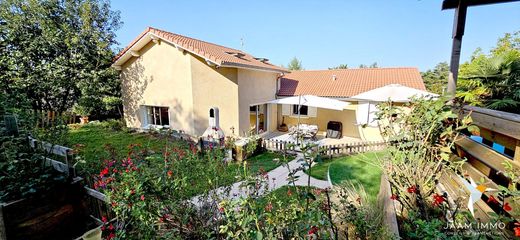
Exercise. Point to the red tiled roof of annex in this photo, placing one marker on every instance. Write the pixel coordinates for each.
(218, 54)
(344, 83)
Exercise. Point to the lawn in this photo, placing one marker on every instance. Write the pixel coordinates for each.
(96, 138)
(358, 168)
(265, 161)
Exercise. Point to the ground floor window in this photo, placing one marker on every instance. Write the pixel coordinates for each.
(157, 115)
(302, 110)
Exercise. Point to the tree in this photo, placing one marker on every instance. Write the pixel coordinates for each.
(493, 80)
(58, 53)
(295, 64)
(341, 66)
(373, 65)
(436, 79)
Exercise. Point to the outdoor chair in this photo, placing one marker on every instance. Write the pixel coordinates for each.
(334, 130)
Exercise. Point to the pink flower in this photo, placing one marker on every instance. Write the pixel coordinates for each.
(142, 197)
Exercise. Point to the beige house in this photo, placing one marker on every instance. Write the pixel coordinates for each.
(359, 118)
(172, 80)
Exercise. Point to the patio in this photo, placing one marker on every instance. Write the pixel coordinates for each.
(320, 139)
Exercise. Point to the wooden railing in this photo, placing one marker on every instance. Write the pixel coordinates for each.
(96, 202)
(483, 162)
(327, 150)
(50, 118)
(352, 148)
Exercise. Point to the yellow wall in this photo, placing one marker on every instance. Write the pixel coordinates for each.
(255, 87)
(159, 78)
(166, 76)
(347, 117)
(214, 87)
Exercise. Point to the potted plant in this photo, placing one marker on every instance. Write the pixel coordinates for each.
(83, 112)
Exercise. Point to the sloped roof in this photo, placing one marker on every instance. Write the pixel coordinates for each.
(344, 83)
(216, 54)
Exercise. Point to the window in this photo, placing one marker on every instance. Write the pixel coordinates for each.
(304, 110)
(252, 109)
(157, 116)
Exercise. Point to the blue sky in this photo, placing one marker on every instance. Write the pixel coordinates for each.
(325, 33)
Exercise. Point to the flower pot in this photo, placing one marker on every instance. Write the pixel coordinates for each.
(94, 234)
(83, 120)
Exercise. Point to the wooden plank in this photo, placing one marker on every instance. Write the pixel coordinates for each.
(501, 122)
(499, 138)
(96, 194)
(484, 154)
(55, 149)
(389, 218)
(3, 235)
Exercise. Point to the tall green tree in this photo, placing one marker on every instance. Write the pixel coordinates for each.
(436, 79)
(58, 53)
(295, 64)
(493, 80)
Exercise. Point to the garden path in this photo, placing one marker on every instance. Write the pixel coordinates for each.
(277, 178)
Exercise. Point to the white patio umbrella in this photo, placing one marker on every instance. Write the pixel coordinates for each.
(394, 93)
(311, 101)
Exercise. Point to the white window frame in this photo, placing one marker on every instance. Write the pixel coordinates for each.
(146, 124)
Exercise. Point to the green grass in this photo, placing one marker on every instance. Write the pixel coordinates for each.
(96, 138)
(265, 161)
(358, 168)
(281, 194)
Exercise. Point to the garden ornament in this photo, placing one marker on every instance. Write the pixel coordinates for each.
(476, 192)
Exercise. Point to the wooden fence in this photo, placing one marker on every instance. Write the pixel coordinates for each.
(96, 202)
(50, 118)
(328, 150)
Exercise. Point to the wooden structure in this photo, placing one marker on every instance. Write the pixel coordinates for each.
(484, 162)
(459, 23)
(326, 150)
(76, 198)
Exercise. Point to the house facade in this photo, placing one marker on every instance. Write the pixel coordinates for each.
(172, 80)
(359, 117)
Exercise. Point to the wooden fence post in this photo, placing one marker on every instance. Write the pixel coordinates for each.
(3, 235)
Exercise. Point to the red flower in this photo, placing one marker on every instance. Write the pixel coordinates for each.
(394, 197)
(438, 199)
(313, 230)
(492, 199)
(269, 207)
(111, 236)
(412, 189)
(517, 230)
(103, 172)
(507, 207)
(221, 209)
(104, 219)
(170, 173)
(289, 193)
(142, 197)
(111, 227)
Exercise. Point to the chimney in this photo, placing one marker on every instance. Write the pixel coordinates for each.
(334, 77)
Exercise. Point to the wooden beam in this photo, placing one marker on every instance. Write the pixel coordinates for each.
(450, 4)
(504, 123)
(487, 156)
(458, 31)
(135, 53)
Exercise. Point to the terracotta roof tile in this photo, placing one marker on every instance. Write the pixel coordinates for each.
(223, 56)
(347, 82)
